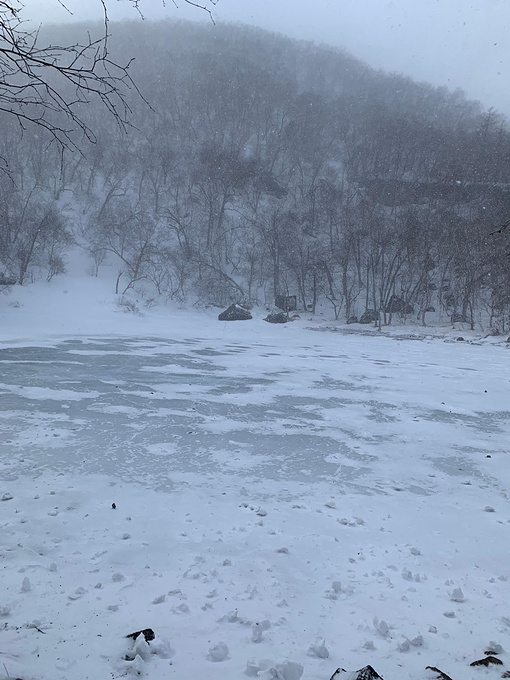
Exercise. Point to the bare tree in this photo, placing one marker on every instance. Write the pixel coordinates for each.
(49, 84)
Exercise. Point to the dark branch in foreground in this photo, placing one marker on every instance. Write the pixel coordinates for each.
(502, 229)
(50, 85)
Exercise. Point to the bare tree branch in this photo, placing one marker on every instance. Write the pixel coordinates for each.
(49, 85)
(202, 7)
(502, 229)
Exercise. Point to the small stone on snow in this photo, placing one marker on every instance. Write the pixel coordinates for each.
(319, 650)
(218, 653)
(381, 627)
(457, 595)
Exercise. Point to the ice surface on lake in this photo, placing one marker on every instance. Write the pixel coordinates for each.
(297, 507)
(146, 408)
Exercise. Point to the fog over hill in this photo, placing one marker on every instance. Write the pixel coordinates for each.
(257, 166)
(450, 43)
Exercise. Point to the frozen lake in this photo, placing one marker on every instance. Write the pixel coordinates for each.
(143, 409)
(314, 499)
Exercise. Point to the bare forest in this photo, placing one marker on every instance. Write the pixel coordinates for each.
(253, 166)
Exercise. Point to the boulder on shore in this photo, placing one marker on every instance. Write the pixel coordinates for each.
(277, 317)
(235, 313)
(370, 316)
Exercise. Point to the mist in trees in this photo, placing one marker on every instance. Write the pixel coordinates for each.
(255, 166)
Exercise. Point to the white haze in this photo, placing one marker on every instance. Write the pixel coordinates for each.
(452, 43)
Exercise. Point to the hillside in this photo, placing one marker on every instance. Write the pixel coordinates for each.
(255, 166)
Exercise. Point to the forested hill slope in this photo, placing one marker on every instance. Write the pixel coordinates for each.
(255, 166)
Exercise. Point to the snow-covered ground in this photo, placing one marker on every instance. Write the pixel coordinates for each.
(284, 498)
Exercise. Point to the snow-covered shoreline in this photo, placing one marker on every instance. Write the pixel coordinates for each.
(85, 305)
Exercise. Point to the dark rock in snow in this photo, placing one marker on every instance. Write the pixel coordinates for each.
(148, 634)
(365, 673)
(440, 674)
(352, 319)
(487, 661)
(7, 280)
(370, 316)
(460, 339)
(277, 317)
(235, 313)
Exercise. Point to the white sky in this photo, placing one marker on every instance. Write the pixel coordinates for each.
(456, 43)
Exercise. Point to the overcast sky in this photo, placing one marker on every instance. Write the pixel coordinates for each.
(456, 43)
